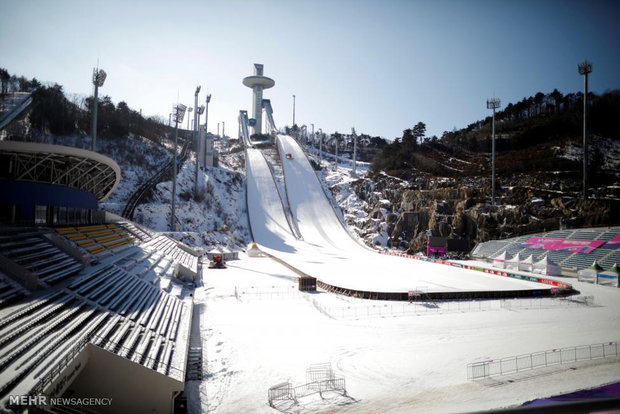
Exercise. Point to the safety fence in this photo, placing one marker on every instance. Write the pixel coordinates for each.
(319, 379)
(542, 359)
(440, 307)
(558, 287)
(265, 292)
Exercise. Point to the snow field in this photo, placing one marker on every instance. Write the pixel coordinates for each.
(394, 364)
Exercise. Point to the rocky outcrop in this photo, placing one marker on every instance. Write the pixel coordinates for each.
(462, 209)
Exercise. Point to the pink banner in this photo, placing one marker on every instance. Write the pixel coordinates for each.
(435, 251)
(571, 245)
(614, 243)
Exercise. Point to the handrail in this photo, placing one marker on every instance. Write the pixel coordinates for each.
(46, 379)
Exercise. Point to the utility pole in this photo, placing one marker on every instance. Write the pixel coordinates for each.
(493, 104)
(320, 146)
(223, 129)
(179, 113)
(584, 69)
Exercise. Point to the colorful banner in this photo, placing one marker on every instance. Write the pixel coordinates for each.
(435, 251)
(571, 245)
(614, 243)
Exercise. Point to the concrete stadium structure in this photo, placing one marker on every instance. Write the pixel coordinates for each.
(91, 305)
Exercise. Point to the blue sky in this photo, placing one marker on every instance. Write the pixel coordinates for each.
(378, 66)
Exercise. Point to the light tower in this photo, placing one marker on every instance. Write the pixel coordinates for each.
(197, 112)
(258, 82)
(99, 76)
(179, 112)
(493, 104)
(204, 158)
(584, 69)
(354, 135)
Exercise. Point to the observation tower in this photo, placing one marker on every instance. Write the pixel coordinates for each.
(258, 82)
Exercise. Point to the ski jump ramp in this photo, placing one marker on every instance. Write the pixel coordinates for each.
(328, 252)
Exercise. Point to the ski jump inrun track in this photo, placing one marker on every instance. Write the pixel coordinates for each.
(309, 238)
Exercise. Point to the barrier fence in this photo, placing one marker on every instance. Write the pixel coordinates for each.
(265, 292)
(319, 378)
(561, 286)
(542, 359)
(440, 307)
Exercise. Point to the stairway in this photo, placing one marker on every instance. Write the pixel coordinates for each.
(194, 364)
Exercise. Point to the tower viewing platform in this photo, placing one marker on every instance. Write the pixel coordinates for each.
(258, 82)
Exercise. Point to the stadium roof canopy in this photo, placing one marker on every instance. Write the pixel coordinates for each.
(59, 165)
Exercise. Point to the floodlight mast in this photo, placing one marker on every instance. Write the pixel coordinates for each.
(204, 159)
(354, 174)
(189, 112)
(196, 146)
(293, 111)
(493, 104)
(179, 113)
(585, 68)
(336, 157)
(320, 146)
(99, 76)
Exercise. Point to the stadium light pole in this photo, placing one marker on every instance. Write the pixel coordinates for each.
(493, 104)
(336, 157)
(354, 152)
(189, 113)
(196, 146)
(585, 68)
(99, 76)
(293, 111)
(179, 113)
(204, 157)
(320, 146)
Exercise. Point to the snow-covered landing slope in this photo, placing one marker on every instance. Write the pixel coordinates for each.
(268, 222)
(327, 251)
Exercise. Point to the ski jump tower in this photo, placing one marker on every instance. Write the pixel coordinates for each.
(258, 82)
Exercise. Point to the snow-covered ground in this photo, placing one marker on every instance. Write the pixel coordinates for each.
(215, 219)
(327, 251)
(258, 330)
(412, 363)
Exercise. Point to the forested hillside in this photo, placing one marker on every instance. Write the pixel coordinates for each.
(541, 133)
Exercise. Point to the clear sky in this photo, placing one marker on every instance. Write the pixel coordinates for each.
(377, 65)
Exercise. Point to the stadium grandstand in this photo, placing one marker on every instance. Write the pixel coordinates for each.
(91, 305)
(572, 250)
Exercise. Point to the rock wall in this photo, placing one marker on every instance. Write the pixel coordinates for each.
(462, 209)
